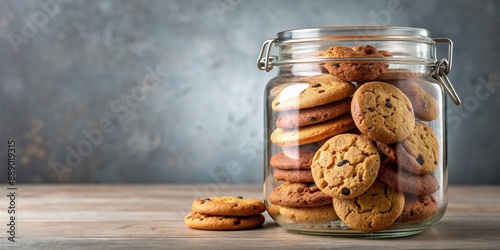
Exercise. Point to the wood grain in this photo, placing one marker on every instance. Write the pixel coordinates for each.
(132, 216)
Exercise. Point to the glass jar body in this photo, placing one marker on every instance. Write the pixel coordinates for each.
(329, 167)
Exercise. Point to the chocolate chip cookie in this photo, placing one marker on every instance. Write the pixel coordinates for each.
(309, 214)
(304, 117)
(345, 166)
(293, 175)
(404, 181)
(294, 158)
(382, 112)
(418, 154)
(418, 208)
(372, 211)
(312, 133)
(299, 195)
(424, 104)
(217, 222)
(228, 206)
(357, 71)
(311, 92)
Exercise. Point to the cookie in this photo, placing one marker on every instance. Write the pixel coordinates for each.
(345, 166)
(309, 214)
(374, 210)
(424, 104)
(312, 133)
(293, 175)
(294, 158)
(357, 71)
(397, 74)
(216, 222)
(418, 208)
(273, 210)
(418, 154)
(382, 112)
(304, 117)
(299, 195)
(404, 181)
(228, 205)
(311, 92)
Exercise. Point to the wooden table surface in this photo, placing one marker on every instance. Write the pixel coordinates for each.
(133, 216)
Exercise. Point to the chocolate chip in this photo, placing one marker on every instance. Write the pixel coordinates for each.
(336, 65)
(205, 200)
(239, 197)
(236, 223)
(346, 191)
(317, 85)
(321, 91)
(388, 104)
(311, 185)
(313, 119)
(420, 160)
(342, 162)
(371, 109)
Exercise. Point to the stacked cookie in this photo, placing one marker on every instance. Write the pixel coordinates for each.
(225, 213)
(368, 150)
(313, 110)
(408, 165)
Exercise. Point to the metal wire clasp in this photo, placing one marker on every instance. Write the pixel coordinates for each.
(442, 70)
(265, 60)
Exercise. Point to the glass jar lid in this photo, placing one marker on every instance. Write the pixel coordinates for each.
(408, 46)
(356, 32)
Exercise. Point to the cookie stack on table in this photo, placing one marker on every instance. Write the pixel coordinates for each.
(367, 150)
(225, 213)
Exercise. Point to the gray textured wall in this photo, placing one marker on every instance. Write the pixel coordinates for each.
(173, 88)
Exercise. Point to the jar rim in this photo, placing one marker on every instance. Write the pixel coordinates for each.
(354, 31)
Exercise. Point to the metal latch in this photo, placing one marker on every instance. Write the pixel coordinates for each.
(265, 60)
(442, 70)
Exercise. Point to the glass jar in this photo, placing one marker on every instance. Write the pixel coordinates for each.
(355, 130)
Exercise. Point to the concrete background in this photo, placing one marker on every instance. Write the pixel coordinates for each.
(168, 91)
